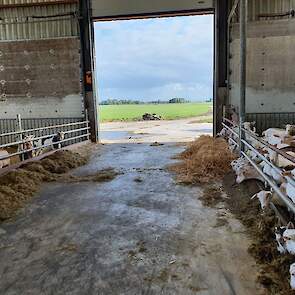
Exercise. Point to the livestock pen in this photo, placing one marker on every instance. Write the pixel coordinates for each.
(21, 143)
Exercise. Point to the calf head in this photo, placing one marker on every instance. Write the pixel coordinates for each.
(264, 198)
(250, 126)
(290, 129)
(28, 142)
(60, 135)
(289, 238)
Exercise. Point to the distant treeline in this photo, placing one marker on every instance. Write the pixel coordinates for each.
(129, 101)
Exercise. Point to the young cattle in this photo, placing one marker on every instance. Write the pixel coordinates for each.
(264, 198)
(27, 146)
(54, 140)
(248, 172)
(289, 238)
(4, 162)
(281, 246)
(281, 234)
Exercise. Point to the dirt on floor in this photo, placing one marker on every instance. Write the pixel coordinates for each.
(274, 275)
(17, 187)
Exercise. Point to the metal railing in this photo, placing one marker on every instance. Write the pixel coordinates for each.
(288, 202)
(80, 132)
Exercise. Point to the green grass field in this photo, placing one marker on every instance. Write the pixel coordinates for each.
(167, 111)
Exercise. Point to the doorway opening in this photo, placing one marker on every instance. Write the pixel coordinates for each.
(155, 78)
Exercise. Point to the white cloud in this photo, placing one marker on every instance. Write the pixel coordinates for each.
(156, 58)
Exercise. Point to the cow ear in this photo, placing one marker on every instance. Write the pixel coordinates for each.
(253, 197)
(290, 225)
(268, 195)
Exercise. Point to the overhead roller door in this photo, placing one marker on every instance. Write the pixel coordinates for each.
(120, 8)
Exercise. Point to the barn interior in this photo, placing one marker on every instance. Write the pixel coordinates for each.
(48, 89)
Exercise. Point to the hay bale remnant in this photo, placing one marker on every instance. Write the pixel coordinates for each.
(204, 160)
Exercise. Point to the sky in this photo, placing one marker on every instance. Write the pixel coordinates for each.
(155, 59)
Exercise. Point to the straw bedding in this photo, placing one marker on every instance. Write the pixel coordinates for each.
(204, 160)
(19, 186)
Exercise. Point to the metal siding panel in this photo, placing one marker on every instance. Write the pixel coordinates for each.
(20, 23)
(9, 125)
(256, 7)
(270, 120)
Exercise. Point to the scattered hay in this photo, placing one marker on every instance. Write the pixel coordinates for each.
(204, 160)
(274, 274)
(68, 248)
(212, 195)
(104, 175)
(63, 161)
(220, 222)
(18, 186)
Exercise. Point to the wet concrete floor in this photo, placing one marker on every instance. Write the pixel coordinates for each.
(138, 234)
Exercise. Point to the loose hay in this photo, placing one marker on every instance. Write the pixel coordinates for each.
(205, 159)
(211, 196)
(274, 274)
(18, 186)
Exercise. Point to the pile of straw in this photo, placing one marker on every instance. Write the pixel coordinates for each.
(204, 160)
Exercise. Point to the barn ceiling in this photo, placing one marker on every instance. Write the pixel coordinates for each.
(125, 8)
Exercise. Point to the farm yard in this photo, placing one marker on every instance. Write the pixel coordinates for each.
(166, 111)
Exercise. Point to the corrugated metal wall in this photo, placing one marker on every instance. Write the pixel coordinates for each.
(258, 7)
(38, 22)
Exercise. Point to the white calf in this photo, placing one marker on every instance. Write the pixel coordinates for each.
(264, 198)
(282, 162)
(276, 132)
(4, 162)
(281, 246)
(238, 164)
(248, 172)
(225, 133)
(289, 238)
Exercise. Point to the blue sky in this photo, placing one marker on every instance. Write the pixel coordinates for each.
(155, 58)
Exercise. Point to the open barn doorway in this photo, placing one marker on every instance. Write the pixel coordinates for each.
(154, 78)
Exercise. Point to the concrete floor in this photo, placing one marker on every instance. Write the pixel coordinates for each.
(125, 237)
